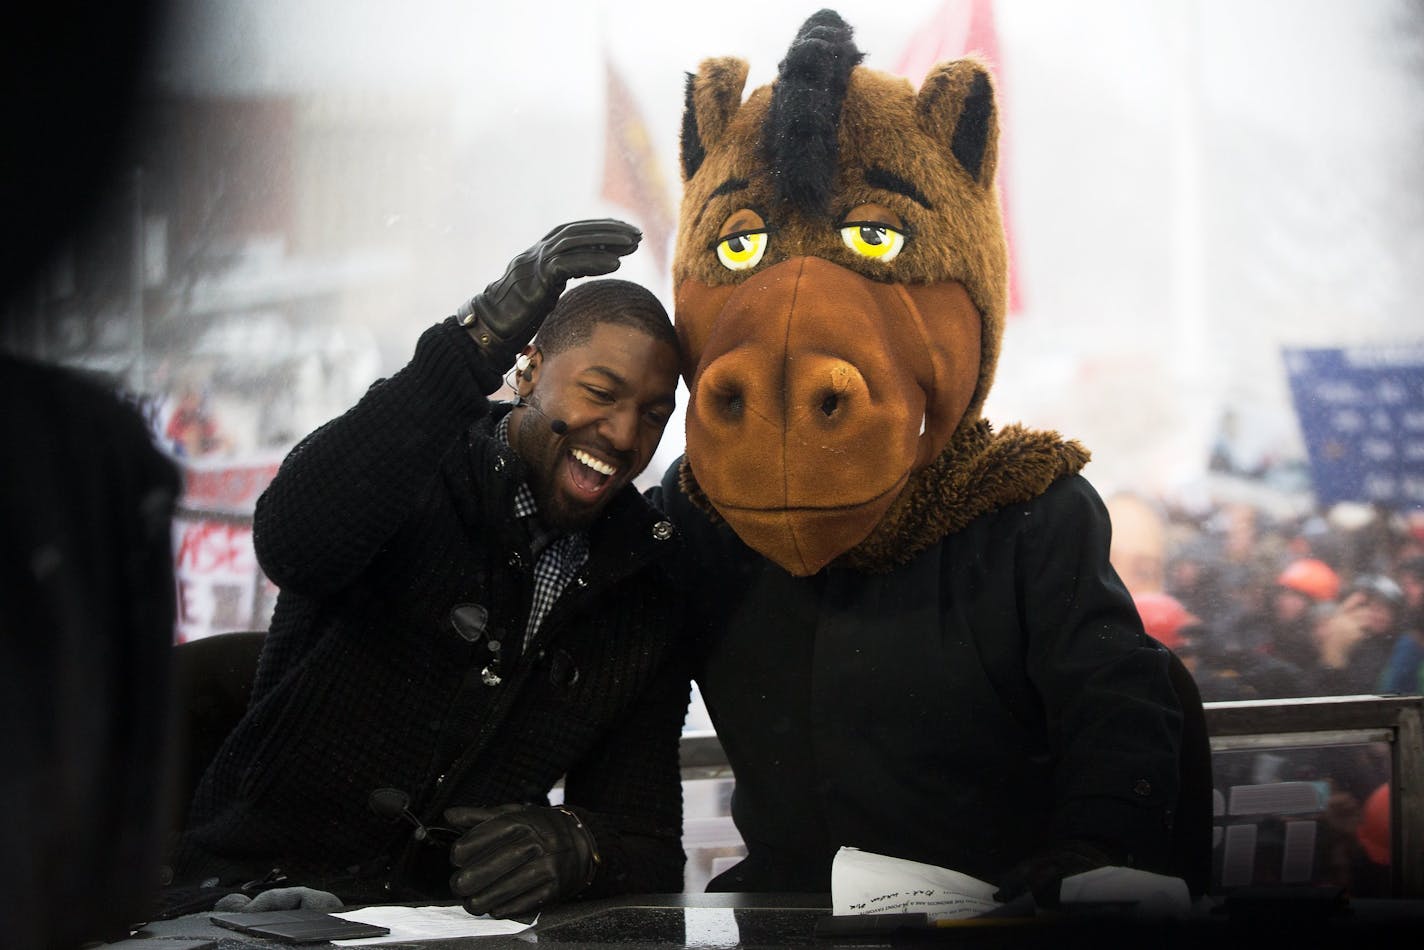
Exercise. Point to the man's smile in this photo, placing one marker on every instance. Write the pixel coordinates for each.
(597, 464)
(589, 473)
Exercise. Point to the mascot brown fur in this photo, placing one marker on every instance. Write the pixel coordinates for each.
(913, 641)
(838, 364)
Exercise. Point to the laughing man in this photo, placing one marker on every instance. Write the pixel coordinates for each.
(473, 605)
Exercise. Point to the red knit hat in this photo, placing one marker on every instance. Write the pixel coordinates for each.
(1373, 831)
(1163, 617)
(1311, 577)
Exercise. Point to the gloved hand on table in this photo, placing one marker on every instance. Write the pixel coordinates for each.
(505, 316)
(1043, 872)
(281, 898)
(515, 859)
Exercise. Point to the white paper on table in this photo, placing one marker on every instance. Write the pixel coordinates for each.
(1155, 895)
(426, 923)
(863, 882)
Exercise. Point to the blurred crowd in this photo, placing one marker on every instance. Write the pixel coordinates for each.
(1277, 607)
(1259, 607)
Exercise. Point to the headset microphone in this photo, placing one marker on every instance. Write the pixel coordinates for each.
(558, 426)
(392, 804)
(521, 366)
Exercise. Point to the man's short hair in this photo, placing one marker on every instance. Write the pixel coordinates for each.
(603, 301)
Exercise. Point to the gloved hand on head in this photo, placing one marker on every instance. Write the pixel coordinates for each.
(515, 859)
(506, 315)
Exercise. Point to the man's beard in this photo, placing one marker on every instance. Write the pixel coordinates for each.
(554, 510)
(549, 459)
(559, 516)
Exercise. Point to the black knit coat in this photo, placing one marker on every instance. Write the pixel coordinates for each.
(376, 528)
(988, 698)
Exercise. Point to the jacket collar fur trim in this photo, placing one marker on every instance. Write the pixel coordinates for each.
(978, 472)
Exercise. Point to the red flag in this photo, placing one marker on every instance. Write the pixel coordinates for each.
(632, 177)
(956, 28)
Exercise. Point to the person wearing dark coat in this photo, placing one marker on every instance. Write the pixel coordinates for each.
(993, 695)
(911, 639)
(87, 609)
(473, 606)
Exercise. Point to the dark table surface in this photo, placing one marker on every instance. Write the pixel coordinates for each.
(789, 920)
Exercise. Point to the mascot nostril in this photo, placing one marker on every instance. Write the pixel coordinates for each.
(925, 603)
(737, 390)
(831, 395)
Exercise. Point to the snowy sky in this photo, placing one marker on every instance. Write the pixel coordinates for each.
(1183, 172)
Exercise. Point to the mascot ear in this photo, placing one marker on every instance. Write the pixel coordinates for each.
(956, 107)
(714, 94)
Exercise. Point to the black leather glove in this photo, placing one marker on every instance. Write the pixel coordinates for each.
(1043, 872)
(281, 898)
(506, 315)
(517, 858)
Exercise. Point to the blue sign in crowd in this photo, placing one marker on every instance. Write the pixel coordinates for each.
(1361, 411)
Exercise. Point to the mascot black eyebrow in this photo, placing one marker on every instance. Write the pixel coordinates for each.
(911, 640)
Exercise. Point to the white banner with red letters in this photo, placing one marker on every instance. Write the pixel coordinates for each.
(219, 584)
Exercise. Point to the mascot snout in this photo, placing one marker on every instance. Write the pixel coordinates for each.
(819, 392)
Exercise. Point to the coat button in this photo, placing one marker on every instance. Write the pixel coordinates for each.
(1142, 787)
(515, 561)
(662, 530)
(499, 464)
(580, 581)
(469, 621)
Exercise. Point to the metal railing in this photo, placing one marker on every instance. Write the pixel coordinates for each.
(1266, 725)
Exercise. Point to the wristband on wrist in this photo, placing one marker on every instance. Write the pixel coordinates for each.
(592, 846)
(470, 320)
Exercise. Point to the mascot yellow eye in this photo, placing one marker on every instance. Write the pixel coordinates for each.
(741, 251)
(876, 241)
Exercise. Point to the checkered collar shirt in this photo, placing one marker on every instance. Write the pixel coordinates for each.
(557, 557)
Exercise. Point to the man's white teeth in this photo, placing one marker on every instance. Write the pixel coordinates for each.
(602, 468)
